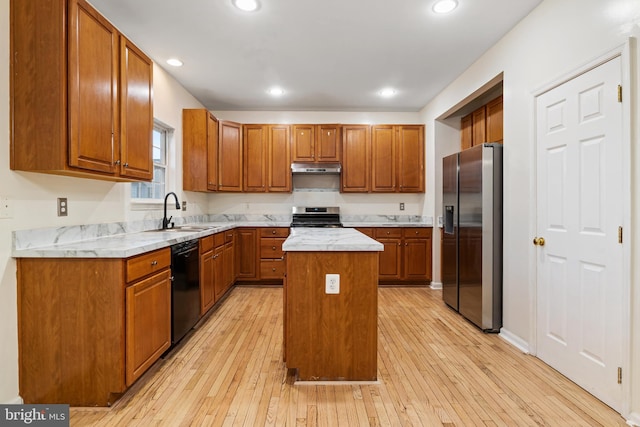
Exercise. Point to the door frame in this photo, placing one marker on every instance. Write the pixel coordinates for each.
(624, 52)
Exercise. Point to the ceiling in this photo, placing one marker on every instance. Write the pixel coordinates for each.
(327, 55)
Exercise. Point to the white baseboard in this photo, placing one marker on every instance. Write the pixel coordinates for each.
(436, 285)
(17, 401)
(514, 340)
(634, 419)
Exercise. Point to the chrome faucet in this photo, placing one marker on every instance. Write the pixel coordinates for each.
(165, 220)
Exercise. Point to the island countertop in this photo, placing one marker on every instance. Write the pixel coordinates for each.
(304, 239)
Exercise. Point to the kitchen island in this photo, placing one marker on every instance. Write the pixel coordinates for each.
(331, 304)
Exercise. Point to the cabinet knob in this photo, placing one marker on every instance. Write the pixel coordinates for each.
(117, 162)
(126, 165)
(273, 247)
(273, 269)
(388, 232)
(154, 262)
(273, 231)
(416, 232)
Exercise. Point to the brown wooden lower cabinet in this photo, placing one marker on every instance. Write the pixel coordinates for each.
(87, 328)
(406, 259)
(259, 254)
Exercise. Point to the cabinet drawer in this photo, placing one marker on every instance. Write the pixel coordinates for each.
(388, 232)
(271, 248)
(274, 232)
(417, 232)
(272, 269)
(206, 244)
(368, 231)
(218, 239)
(148, 263)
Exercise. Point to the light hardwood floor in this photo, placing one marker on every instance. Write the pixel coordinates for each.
(434, 369)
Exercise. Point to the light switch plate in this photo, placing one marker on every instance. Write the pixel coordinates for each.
(332, 284)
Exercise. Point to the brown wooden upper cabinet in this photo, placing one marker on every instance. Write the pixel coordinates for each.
(397, 158)
(199, 150)
(482, 125)
(356, 159)
(81, 94)
(316, 143)
(229, 156)
(267, 158)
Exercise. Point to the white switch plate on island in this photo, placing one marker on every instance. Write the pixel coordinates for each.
(332, 284)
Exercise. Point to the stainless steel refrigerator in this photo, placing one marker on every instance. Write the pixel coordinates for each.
(472, 235)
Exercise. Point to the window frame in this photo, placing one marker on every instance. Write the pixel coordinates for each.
(152, 203)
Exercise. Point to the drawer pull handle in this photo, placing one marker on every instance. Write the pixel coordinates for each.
(154, 262)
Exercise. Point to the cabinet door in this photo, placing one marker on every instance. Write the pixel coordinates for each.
(148, 323)
(410, 141)
(212, 152)
(327, 143)
(494, 120)
(246, 253)
(279, 159)
(230, 156)
(389, 259)
(417, 253)
(303, 143)
(254, 163)
(136, 112)
(229, 266)
(93, 90)
(478, 124)
(383, 159)
(466, 132)
(356, 160)
(207, 282)
(194, 149)
(221, 271)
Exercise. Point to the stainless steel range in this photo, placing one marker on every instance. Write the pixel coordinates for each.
(316, 217)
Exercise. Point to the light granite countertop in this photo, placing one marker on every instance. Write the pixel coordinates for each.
(329, 240)
(124, 240)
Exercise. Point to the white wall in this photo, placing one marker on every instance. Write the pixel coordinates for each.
(33, 200)
(557, 37)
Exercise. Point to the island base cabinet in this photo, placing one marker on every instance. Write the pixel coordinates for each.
(331, 336)
(71, 339)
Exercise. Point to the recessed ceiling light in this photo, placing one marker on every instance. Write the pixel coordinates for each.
(387, 92)
(246, 5)
(445, 6)
(276, 91)
(174, 62)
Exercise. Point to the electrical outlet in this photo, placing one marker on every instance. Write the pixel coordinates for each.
(63, 207)
(184, 205)
(332, 284)
(401, 206)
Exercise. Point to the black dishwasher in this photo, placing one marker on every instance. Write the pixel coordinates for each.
(185, 288)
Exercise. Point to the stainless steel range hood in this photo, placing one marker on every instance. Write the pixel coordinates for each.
(315, 168)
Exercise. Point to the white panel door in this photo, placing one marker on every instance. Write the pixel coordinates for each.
(579, 210)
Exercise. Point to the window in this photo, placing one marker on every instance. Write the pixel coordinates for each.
(156, 189)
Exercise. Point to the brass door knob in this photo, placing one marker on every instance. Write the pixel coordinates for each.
(538, 241)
